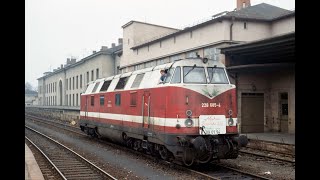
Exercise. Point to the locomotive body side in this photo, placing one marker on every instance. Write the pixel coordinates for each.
(189, 122)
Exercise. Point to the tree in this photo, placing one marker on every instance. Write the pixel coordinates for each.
(28, 86)
(30, 89)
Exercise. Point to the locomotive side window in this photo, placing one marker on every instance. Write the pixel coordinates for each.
(169, 75)
(95, 87)
(137, 80)
(102, 100)
(118, 99)
(193, 74)
(217, 75)
(105, 86)
(177, 75)
(92, 100)
(133, 98)
(122, 82)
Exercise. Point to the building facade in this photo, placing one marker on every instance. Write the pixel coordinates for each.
(63, 86)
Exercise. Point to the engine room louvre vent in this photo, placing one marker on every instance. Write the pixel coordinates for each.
(95, 87)
(137, 81)
(105, 86)
(122, 82)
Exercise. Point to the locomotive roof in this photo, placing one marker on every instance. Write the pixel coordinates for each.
(151, 74)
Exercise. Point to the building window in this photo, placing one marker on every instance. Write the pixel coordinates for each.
(128, 41)
(69, 83)
(69, 99)
(77, 99)
(55, 85)
(174, 58)
(72, 99)
(105, 86)
(97, 73)
(148, 47)
(137, 51)
(122, 82)
(174, 39)
(190, 34)
(193, 54)
(133, 98)
(92, 100)
(77, 79)
(212, 53)
(92, 75)
(160, 61)
(73, 82)
(118, 99)
(245, 25)
(66, 103)
(87, 77)
(101, 100)
(80, 80)
(160, 44)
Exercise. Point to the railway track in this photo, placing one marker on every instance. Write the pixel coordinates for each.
(214, 171)
(248, 151)
(269, 155)
(67, 163)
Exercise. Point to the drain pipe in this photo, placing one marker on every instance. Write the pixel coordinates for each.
(232, 20)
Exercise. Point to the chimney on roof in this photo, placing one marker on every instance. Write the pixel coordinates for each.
(104, 48)
(119, 41)
(242, 4)
(68, 61)
(94, 52)
(73, 60)
(113, 44)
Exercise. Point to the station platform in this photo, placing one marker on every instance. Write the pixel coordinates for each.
(272, 141)
(283, 138)
(32, 170)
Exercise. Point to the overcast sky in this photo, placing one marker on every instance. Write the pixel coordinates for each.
(58, 29)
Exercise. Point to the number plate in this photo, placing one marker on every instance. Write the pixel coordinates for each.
(212, 124)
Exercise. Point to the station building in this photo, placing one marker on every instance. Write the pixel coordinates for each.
(64, 85)
(145, 45)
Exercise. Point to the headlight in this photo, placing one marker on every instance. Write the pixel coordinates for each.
(189, 113)
(188, 122)
(230, 121)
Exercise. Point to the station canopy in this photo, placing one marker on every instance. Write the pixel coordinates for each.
(267, 54)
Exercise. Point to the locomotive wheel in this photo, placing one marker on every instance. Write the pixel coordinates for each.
(137, 145)
(188, 157)
(164, 153)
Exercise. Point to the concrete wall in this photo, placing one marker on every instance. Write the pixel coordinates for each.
(271, 84)
(283, 26)
(55, 114)
(253, 30)
(190, 40)
(136, 33)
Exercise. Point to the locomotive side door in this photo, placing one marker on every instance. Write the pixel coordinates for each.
(86, 107)
(146, 109)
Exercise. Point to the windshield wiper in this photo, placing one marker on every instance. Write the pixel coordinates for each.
(190, 70)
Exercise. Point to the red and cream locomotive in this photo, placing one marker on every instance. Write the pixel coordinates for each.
(190, 117)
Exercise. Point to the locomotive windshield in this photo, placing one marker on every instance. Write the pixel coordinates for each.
(192, 74)
(217, 75)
